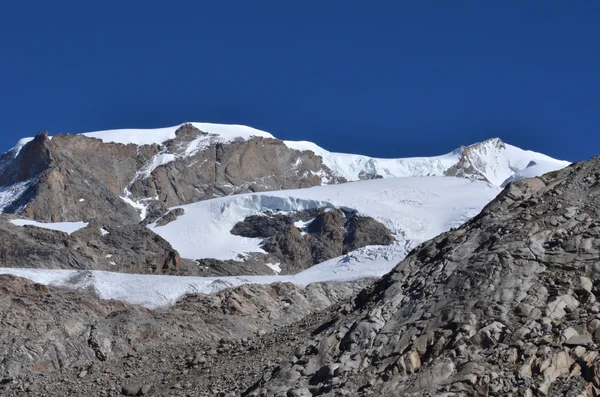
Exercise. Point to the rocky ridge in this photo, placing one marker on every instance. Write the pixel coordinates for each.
(129, 248)
(505, 305)
(76, 177)
(296, 241)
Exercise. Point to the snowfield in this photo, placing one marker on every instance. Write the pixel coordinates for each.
(415, 209)
(350, 166)
(227, 132)
(66, 227)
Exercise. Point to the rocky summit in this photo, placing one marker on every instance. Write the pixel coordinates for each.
(207, 260)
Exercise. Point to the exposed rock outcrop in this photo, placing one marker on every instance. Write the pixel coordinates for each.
(75, 177)
(296, 241)
(129, 248)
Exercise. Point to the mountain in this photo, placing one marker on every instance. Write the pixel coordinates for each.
(192, 185)
(214, 251)
(126, 174)
(492, 160)
(119, 173)
(412, 209)
(505, 304)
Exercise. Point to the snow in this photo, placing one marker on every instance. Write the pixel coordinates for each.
(493, 158)
(275, 267)
(9, 194)
(160, 135)
(139, 205)
(66, 227)
(158, 291)
(17, 149)
(414, 209)
(135, 136)
(157, 161)
(302, 225)
(535, 168)
(350, 166)
(500, 162)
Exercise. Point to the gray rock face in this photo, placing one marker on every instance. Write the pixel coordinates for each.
(74, 177)
(505, 305)
(129, 248)
(324, 234)
(220, 169)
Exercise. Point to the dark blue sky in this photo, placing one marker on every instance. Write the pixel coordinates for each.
(383, 78)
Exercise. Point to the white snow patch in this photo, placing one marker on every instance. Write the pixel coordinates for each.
(275, 267)
(159, 135)
(66, 227)
(302, 225)
(11, 193)
(157, 161)
(140, 205)
(17, 149)
(533, 169)
(135, 136)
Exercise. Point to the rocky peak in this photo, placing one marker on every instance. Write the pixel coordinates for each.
(81, 177)
(28, 163)
(476, 161)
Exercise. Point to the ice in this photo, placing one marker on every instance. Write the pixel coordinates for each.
(67, 227)
(414, 209)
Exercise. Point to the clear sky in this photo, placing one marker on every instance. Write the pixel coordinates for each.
(382, 78)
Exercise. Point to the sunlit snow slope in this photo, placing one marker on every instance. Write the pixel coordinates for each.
(415, 209)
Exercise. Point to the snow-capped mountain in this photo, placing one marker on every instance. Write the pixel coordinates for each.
(414, 209)
(191, 184)
(491, 160)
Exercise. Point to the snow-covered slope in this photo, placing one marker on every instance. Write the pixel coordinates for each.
(146, 137)
(414, 209)
(492, 160)
(498, 162)
(353, 166)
